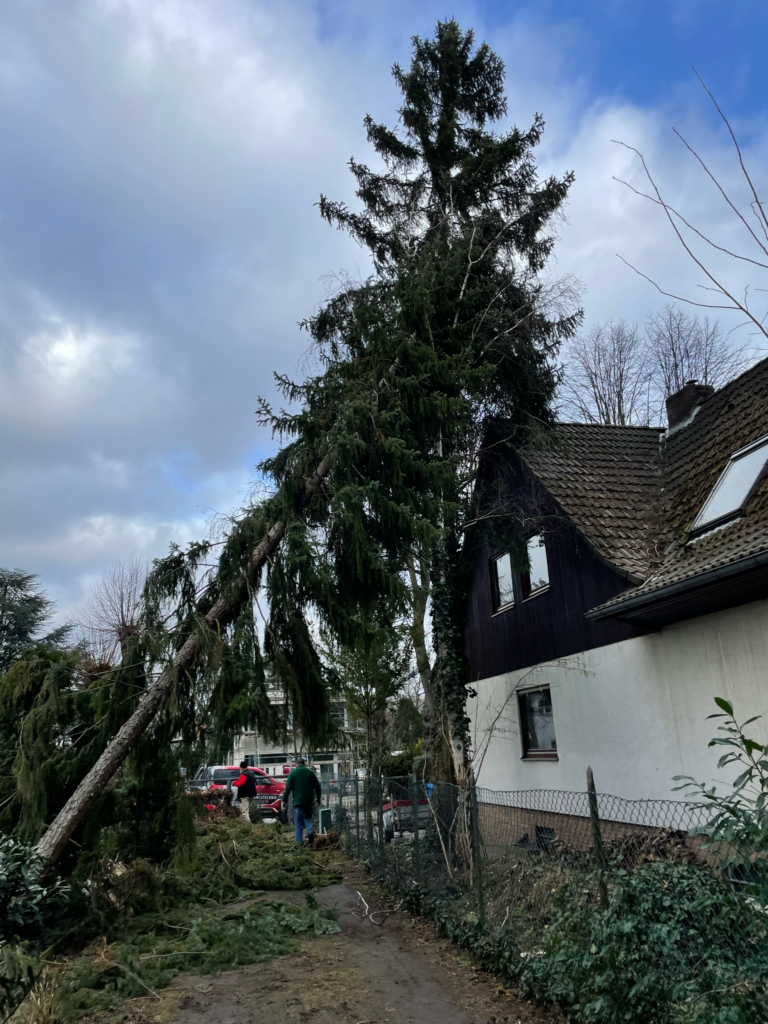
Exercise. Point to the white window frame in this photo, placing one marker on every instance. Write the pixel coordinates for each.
(525, 578)
(703, 525)
(498, 607)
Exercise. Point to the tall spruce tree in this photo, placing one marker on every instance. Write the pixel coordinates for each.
(451, 329)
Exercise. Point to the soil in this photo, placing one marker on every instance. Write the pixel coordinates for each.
(398, 971)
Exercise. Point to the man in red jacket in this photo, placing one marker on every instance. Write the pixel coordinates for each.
(246, 790)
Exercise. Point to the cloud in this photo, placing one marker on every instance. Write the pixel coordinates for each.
(160, 243)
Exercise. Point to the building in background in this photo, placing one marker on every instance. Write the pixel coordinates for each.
(277, 758)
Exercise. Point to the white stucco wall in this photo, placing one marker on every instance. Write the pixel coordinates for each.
(635, 711)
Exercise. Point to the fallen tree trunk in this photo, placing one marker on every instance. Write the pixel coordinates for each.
(74, 811)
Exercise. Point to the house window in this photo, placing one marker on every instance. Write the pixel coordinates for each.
(536, 580)
(735, 487)
(339, 713)
(537, 723)
(501, 581)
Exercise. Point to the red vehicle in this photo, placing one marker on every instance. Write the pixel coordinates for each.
(269, 790)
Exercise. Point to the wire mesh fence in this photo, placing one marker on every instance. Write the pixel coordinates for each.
(617, 910)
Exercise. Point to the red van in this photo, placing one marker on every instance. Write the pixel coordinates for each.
(269, 790)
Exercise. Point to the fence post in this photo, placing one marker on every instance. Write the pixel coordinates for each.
(477, 849)
(357, 814)
(380, 815)
(413, 785)
(597, 839)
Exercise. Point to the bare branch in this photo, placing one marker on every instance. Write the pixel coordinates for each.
(738, 147)
(702, 236)
(720, 189)
(672, 295)
(693, 256)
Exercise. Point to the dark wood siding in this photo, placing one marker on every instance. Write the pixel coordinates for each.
(551, 624)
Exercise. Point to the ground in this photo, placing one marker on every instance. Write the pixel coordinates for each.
(398, 971)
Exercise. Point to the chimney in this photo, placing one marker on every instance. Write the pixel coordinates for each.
(683, 402)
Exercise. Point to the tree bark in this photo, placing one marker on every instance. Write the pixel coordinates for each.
(74, 811)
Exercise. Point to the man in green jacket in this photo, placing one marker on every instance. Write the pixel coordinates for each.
(304, 785)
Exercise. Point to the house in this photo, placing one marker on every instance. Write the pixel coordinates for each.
(630, 590)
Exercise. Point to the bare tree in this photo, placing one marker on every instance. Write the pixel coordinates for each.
(682, 347)
(606, 377)
(617, 376)
(112, 614)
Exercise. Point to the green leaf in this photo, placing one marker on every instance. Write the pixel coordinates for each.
(724, 705)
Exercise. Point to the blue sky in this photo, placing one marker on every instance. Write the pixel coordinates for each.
(159, 240)
(642, 51)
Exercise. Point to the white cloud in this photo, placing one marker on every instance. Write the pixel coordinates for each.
(160, 240)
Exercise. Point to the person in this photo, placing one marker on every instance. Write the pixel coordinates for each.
(246, 790)
(303, 785)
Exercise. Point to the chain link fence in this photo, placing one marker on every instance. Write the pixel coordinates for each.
(614, 909)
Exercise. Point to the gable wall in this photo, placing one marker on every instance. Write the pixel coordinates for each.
(552, 624)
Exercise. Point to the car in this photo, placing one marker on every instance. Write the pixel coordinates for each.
(397, 816)
(269, 790)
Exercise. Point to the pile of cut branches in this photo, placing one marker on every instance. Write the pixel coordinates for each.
(139, 924)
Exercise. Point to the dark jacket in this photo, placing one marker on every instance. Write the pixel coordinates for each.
(304, 785)
(246, 784)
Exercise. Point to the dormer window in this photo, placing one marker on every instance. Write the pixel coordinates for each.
(536, 580)
(735, 487)
(501, 581)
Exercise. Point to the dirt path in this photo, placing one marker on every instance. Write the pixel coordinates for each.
(398, 973)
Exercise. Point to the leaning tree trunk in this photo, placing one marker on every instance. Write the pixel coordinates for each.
(74, 811)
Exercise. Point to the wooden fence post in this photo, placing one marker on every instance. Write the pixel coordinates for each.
(597, 839)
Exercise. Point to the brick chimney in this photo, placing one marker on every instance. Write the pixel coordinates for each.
(683, 402)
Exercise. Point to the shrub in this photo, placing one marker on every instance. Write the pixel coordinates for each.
(27, 901)
(27, 904)
(737, 832)
(674, 944)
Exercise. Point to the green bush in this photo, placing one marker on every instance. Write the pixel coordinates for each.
(26, 901)
(675, 944)
(27, 905)
(737, 832)
(393, 766)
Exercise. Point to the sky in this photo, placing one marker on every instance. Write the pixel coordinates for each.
(159, 238)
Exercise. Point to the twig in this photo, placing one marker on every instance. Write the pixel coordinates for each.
(181, 952)
(386, 913)
(361, 900)
(130, 974)
(225, 860)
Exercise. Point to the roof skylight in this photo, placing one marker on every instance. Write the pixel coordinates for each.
(735, 486)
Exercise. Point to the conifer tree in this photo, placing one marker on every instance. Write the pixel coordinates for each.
(452, 328)
(24, 610)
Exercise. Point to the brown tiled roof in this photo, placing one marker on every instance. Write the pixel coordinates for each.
(606, 479)
(635, 492)
(693, 457)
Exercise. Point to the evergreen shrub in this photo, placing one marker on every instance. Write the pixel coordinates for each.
(675, 944)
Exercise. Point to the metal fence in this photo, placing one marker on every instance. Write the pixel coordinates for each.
(617, 910)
